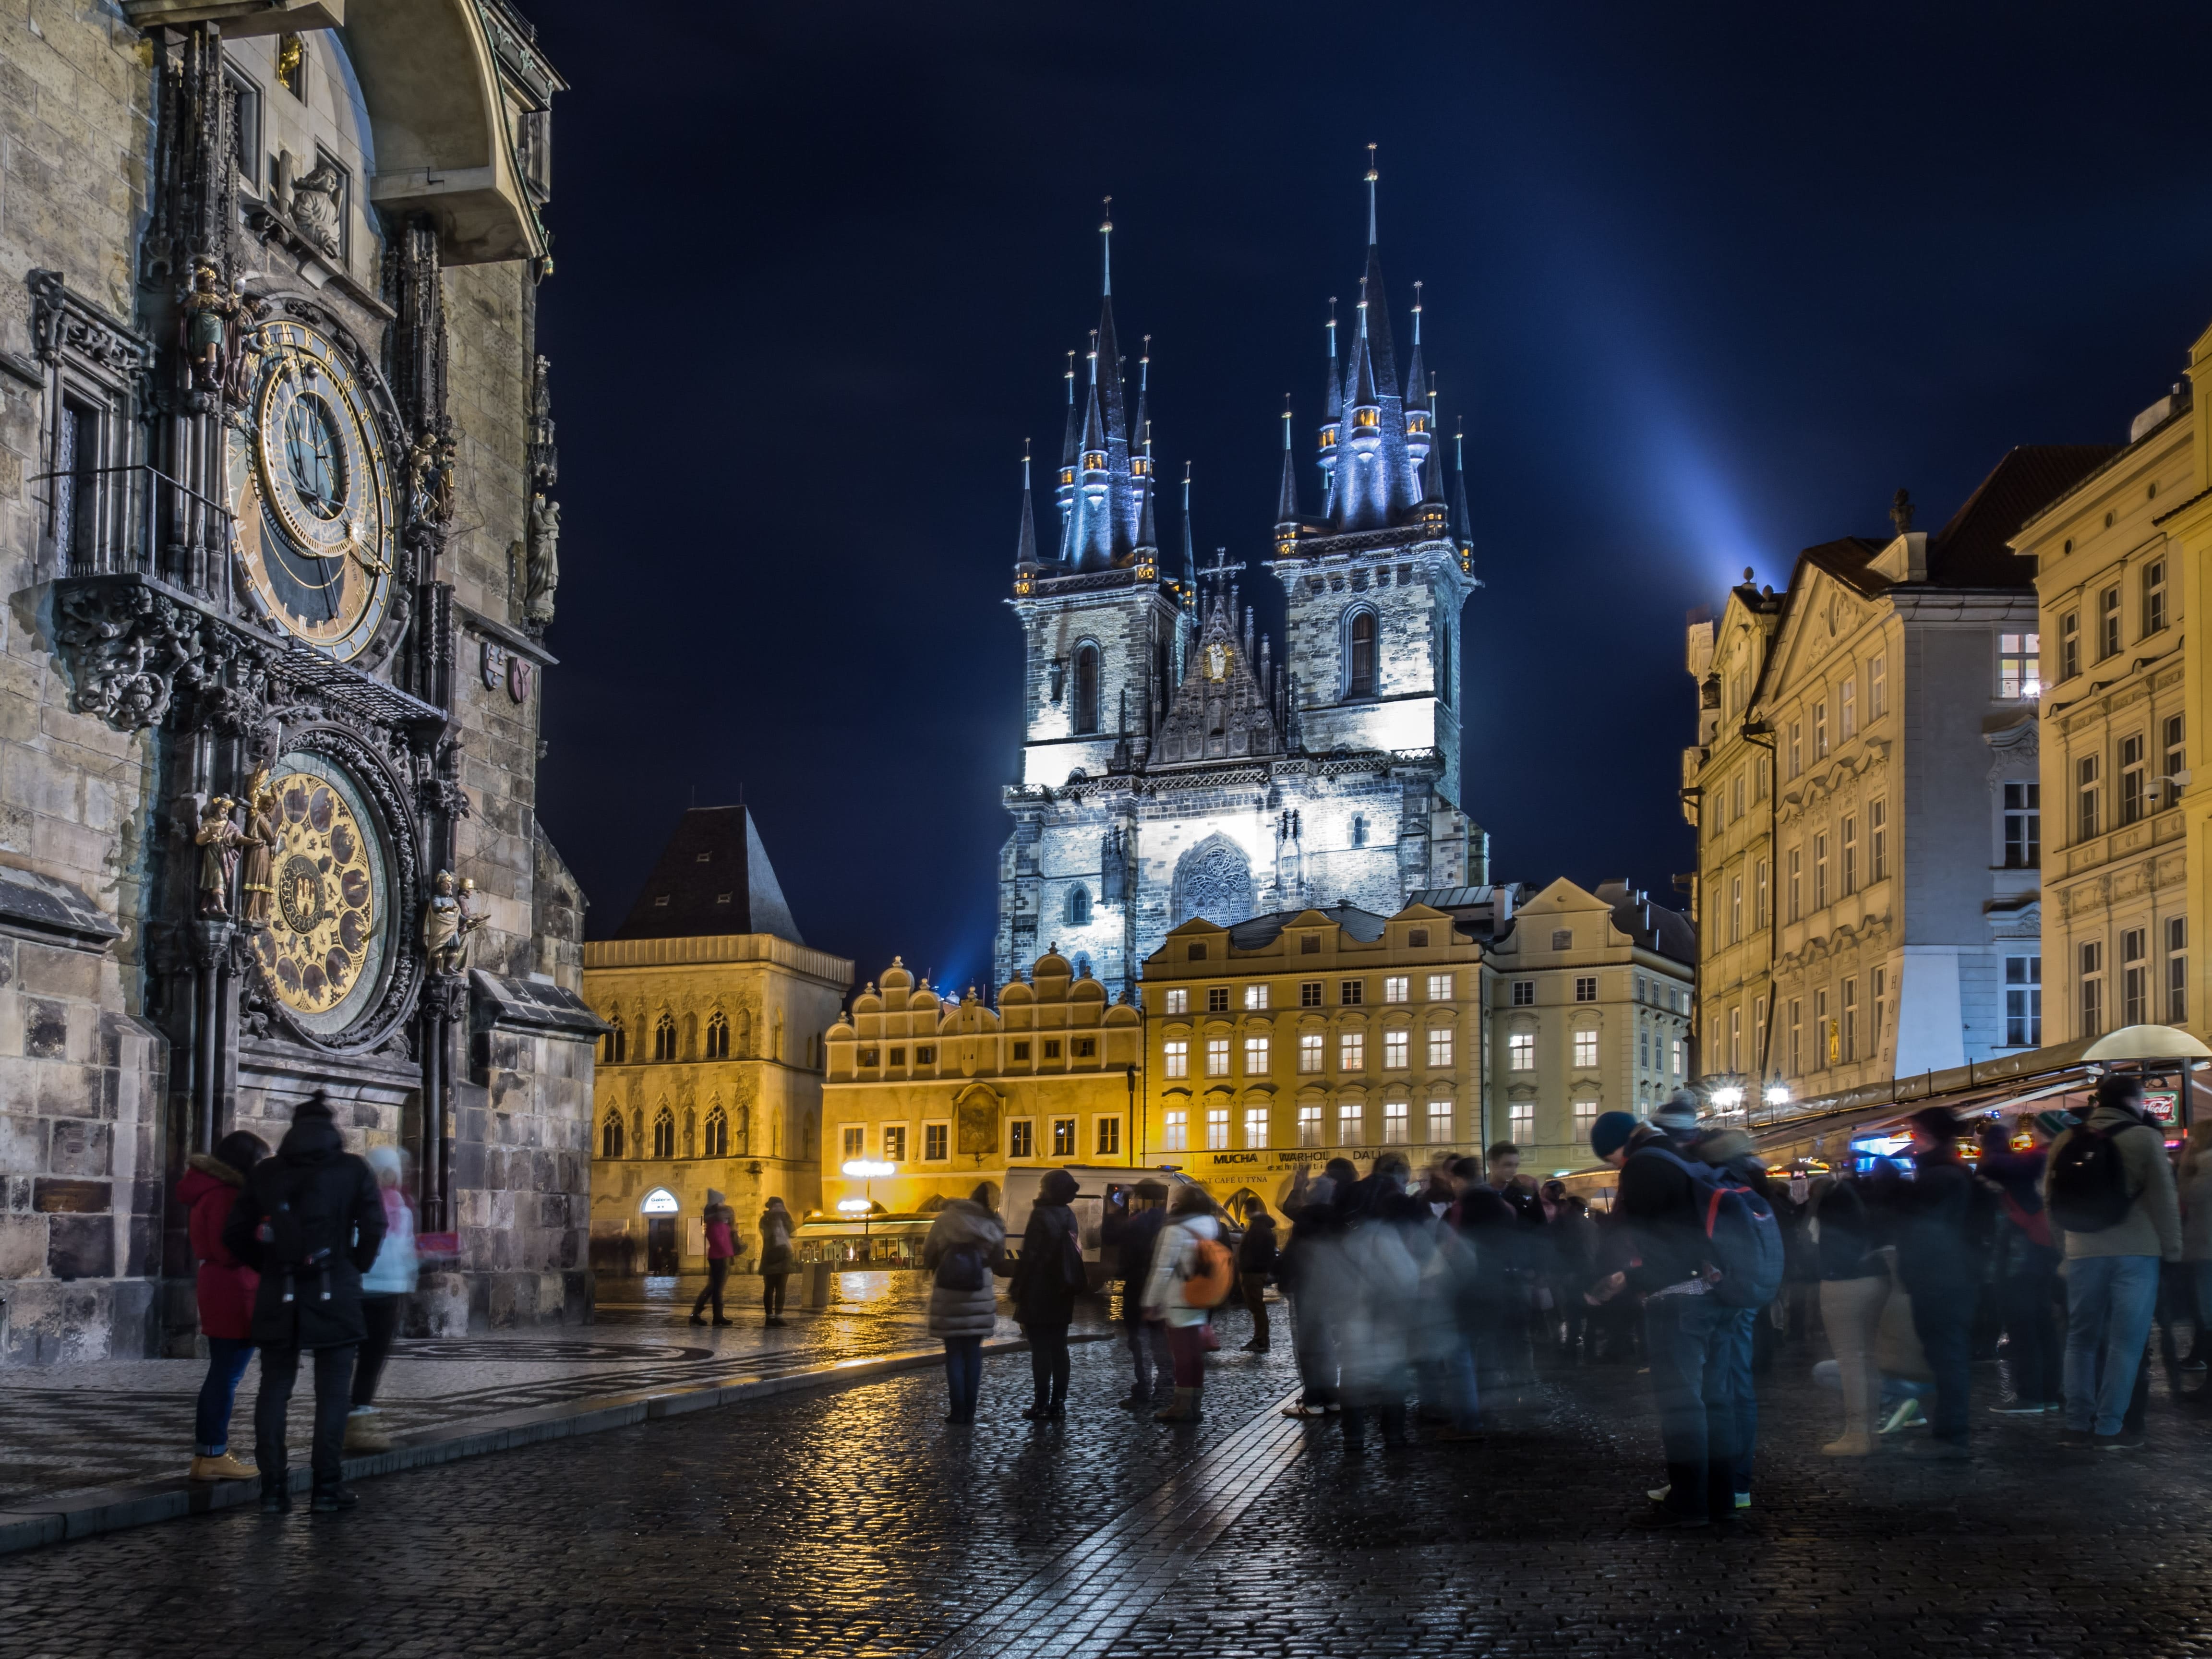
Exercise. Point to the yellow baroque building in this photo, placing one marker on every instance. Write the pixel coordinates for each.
(711, 1074)
(951, 1092)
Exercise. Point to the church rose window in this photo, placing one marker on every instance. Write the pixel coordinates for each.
(1213, 880)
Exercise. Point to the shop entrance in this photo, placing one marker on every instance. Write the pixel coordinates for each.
(660, 1244)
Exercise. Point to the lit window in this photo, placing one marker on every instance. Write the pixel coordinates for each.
(1175, 1131)
(1398, 987)
(934, 1140)
(1063, 1137)
(1174, 1055)
(1256, 1056)
(1310, 1126)
(1585, 1048)
(1585, 1120)
(1524, 993)
(1310, 1054)
(1440, 987)
(895, 1143)
(1350, 1123)
(1440, 1123)
(1178, 1001)
(1520, 1121)
(1217, 1056)
(1394, 1123)
(1255, 996)
(1217, 1128)
(1255, 1126)
(1675, 1059)
(1109, 1137)
(1521, 1052)
(1020, 1139)
(1352, 1051)
(2024, 1002)
(1394, 1045)
(1440, 1045)
(2019, 666)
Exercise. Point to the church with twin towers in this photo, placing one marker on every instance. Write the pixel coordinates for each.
(1177, 763)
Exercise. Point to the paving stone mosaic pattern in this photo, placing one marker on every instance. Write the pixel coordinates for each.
(858, 1523)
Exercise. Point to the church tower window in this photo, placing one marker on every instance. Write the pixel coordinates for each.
(1086, 688)
(718, 1036)
(664, 1134)
(718, 1133)
(611, 1136)
(1359, 656)
(1078, 907)
(664, 1038)
(617, 1048)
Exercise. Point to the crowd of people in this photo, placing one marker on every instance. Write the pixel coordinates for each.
(1441, 1294)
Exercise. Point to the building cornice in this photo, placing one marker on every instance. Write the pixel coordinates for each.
(708, 950)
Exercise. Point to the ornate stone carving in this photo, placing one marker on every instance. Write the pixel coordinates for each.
(545, 561)
(317, 199)
(124, 647)
(447, 922)
(1213, 880)
(65, 325)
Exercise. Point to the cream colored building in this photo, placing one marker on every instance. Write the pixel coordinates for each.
(711, 1076)
(2117, 559)
(1590, 1002)
(951, 1092)
(1891, 863)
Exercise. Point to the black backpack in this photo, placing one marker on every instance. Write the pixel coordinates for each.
(963, 1268)
(304, 1234)
(2089, 1183)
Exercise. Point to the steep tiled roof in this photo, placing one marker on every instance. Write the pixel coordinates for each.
(1971, 551)
(713, 877)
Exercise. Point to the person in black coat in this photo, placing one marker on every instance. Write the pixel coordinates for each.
(1130, 1228)
(1043, 1290)
(1256, 1265)
(1939, 1261)
(310, 1222)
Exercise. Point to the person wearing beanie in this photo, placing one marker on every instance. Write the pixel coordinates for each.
(1610, 1133)
(1678, 1113)
(1940, 1264)
(721, 1229)
(777, 1259)
(1043, 1290)
(326, 1225)
(2112, 1264)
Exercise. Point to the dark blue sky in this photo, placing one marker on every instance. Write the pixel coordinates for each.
(1705, 283)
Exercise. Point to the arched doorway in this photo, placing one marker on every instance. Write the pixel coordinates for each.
(660, 1209)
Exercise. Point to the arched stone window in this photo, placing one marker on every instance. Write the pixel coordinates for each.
(718, 1132)
(1086, 687)
(718, 1036)
(1359, 653)
(611, 1136)
(1078, 907)
(664, 1134)
(664, 1038)
(1213, 880)
(616, 1046)
(1359, 830)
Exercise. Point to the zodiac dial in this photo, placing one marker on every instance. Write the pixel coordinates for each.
(324, 947)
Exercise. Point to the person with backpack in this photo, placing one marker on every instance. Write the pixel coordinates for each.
(962, 1252)
(1940, 1258)
(1191, 1271)
(721, 1231)
(1131, 1229)
(2024, 1268)
(1728, 1151)
(2109, 1191)
(310, 1222)
(1043, 1289)
(224, 1288)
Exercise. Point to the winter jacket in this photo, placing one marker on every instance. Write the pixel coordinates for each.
(313, 1172)
(1136, 1239)
(2152, 1225)
(776, 1256)
(225, 1285)
(721, 1232)
(963, 1224)
(1661, 1201)
(1174, 1261)
(394, 1272)
(1847, 1234)
(2196, 1215)
(1938, 1252)
(1258, 1254)
(1039, 1288)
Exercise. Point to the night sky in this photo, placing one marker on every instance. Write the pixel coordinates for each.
(1705, 284)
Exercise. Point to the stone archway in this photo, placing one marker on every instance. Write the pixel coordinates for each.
(1213, 880)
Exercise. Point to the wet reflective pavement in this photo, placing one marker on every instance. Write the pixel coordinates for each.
(858, 1523)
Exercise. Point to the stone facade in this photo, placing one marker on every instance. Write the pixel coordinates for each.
(953, 1092)
(1174, 764)
(187, 203)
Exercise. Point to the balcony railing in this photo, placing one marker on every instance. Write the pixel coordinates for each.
(137, 521)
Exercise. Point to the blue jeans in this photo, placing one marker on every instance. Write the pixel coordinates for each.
(227, 1357)
(1943, 1320)
(2109, 1303)
(1740, 1332)
(1689, 1340)
(963, 1375)
(1448, 1385)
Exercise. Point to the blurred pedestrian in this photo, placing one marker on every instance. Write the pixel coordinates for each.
(1043, 1290)
(1312, 1209)
(1730, 1151)
(1132, 1231)
(964, 1247)
(223, 1287)
(385, 1289)
(2109, 1191)
(1375, 1288)
(721, 1231)
(777, 1260)
(323, 1217)
(1188, 1263)
(1847, 1241)
(1940, 1261)
(2024, 1271)
(2194, 1191)
(1256, 1255)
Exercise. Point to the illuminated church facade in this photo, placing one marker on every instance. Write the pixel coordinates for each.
(1176, 762)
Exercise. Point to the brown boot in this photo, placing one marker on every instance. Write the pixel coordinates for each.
(225, 1467)
(1184, 1410)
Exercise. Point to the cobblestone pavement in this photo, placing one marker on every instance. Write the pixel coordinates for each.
(84, 1427)
(860, 1524)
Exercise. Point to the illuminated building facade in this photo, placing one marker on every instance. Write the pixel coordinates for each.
(951, 1092)
(710, 1074)
(1175, 764)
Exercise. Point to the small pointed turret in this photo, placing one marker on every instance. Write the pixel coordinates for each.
(1141, 456)
(1419, 433)
(1090, 528)
(1286, 498)
(1071, 453)
(1025, 556)
(1106, 377)
(1148, 531)
(1189, 550)
(1462, 533)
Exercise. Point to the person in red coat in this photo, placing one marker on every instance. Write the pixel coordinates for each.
(225, 1289)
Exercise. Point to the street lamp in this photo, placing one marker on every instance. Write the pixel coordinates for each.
(1728, 1097)
(864, 1170)
(1777, 1094)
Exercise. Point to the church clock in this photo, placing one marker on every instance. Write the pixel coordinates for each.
(311, 488)
(327, 942)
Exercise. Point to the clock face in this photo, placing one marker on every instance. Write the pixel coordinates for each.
(311, 486)
(324, 946)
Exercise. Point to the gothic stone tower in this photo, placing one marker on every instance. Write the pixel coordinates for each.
(1172, 766)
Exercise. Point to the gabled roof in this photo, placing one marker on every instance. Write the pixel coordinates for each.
(1971, 551)
(713, 877)
(1364, 926)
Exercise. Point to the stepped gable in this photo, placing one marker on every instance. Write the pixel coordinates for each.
(713, 878)
(1221, 711)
